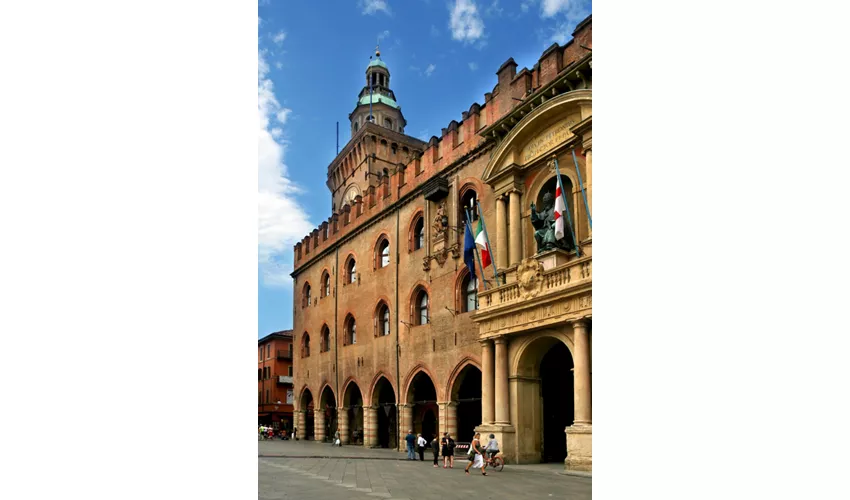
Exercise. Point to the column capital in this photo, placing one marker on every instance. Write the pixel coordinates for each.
(501, 339)
(300, 411)
(343, 408)
(485, 342)
(580, 322)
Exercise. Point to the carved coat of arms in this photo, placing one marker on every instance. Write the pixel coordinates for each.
(530, 278)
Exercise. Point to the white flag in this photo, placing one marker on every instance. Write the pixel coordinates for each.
(559, 213)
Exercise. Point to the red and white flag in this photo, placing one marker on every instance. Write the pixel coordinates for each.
(559, 212)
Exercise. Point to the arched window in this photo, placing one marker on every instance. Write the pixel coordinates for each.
(419, 233)
(305, 346)
(326, 285)
(350, 330)
(351, 271)
(420, 308)
(305, 298)
(326, 339)
(382, 320)
(356, 126)
(469, 294)
(382, 257)
(388, 123)
(468, 204)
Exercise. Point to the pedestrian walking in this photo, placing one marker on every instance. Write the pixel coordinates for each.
(420, 441)
(476, 456)
(435, 448)
(448, 451)
(411, 441)
(295, 433)
(337, 441)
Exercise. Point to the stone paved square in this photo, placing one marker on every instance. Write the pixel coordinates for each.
(298, 469)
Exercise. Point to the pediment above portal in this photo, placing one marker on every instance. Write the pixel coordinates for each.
(541, 132)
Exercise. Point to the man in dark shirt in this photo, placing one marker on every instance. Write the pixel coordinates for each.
(411, 439)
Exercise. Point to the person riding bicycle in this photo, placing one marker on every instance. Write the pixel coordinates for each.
(492, 447)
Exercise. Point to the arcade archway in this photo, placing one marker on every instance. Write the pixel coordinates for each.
(353, 401)
(424, 415)
(546, 393)
(384, 397)
(307, 405)
(328, 409)
(466, 392)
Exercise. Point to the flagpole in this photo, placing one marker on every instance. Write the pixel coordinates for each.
(583, 195)
(489, 246)
(566, 207)
(475, 246)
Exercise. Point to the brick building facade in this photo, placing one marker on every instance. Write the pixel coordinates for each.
(392, 333)
(275, 396)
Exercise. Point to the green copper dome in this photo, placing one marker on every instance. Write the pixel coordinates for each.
(378, 62)
(377, 98)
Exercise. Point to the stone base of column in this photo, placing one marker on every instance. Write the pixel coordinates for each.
(579, 448)
(505, 434)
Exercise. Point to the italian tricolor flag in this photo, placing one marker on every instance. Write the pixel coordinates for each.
(481, 240)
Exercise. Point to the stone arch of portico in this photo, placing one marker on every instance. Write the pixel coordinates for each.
(345, 385)
(523, 359)
(321, 402)
(529, 398)
(450, 390)
(371, 394)
(303, 392)
(412, 374)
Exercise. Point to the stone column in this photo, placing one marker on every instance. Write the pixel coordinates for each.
(406, 418)
(299, 424)
(451, 419)
(488, 381)
(501, 234)
(342, 418)
(319, 424)
(516, 232)
(503, 415)
(370, 426)
(581, 362)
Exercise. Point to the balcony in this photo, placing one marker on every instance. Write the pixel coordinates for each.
(284, 379)
(284, 354)
(536, 297)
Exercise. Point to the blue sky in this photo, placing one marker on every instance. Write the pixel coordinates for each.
(442, 56)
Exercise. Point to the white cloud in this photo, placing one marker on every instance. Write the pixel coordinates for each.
(282, 221)
(372, 6)
(574, 10)
(473, 66)
(549, 8)
(434, 31)
(524, 6)
(279, 37)
(465, 21)
(494, 9)
(383, 35)
(278, 65)
(430, 69)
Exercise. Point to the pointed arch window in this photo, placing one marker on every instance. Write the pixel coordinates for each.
(305, 346)
(351, 271)
(420, 308)
(382, 257)
(326, 285)
(326, 339)
(382, 320)
(469, 294)
(350, 330)
(419, 234)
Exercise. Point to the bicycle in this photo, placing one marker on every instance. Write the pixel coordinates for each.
(497, 462)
